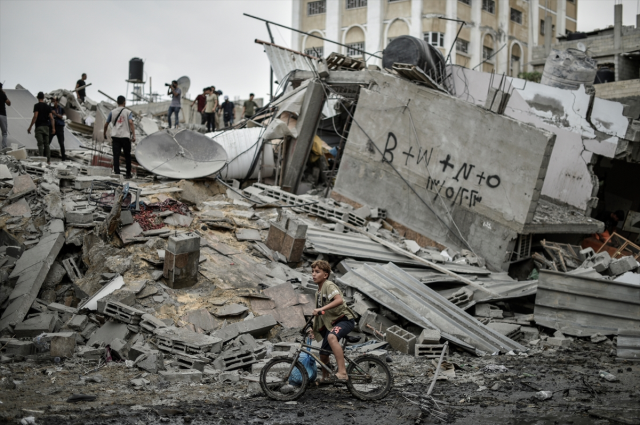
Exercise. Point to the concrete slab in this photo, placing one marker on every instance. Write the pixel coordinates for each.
(231, 310)
(19, 208)
(248, 235)
(35, 326)
(22, 185)
(202, 319)
(108, 332)
(178, 220)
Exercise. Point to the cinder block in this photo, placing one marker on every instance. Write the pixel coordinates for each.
(622, 265)
(36, 325)
(234, 359)
(16, 347)
(558, 342)
(18, 153)
(120, 348)
(488, 310)
(430, 351)
(529, 333)
(429, 336)
(183, 243)
(284, 349)
(119, 311)
(187, 361)
(79, 216)
(78, 322)
(370, 321)
(63, 344)
(152, 362)
(401, 340)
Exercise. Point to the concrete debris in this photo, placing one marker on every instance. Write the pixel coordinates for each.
(204, 281)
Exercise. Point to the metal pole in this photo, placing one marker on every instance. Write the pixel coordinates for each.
(271, 69)
(311, 35)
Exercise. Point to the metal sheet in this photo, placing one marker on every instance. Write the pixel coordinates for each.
(392, 287)
(581, 306)
(184, 154)
(19, 116)
(284, 61)
(352, 245)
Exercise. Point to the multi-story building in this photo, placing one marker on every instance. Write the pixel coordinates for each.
(499, 34)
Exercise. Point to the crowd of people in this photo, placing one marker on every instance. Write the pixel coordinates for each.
(48, 120)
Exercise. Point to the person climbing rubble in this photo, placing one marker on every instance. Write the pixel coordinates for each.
(81, 93)
(43, 120)
(58, 116)
(331, 313)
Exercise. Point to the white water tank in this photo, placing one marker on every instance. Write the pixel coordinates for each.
(568, 69)
(241, 146)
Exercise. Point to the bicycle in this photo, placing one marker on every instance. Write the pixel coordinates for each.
(369, 377)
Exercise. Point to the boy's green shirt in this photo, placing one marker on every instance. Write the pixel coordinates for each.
(323, 297)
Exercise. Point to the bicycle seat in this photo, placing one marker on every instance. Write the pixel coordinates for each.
(352, 339)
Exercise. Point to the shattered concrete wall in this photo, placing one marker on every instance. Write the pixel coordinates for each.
(487, 169)
(582, 127)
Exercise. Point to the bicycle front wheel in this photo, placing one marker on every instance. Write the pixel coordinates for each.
(369, 378)
(278, 384)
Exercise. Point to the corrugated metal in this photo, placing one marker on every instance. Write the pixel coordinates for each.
(19, 116)
(284, 61)
(352, 245)
(582, 306)
(392, 287)
(499, 283)
(629, 344)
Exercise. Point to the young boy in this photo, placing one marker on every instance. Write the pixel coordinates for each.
(336, 322)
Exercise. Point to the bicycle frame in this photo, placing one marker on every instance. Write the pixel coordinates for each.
(317, 359)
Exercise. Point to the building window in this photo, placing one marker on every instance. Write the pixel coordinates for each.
(354, 4)
(434, 38)
(489, 6)
(487, 52)
(316, 7)
(516, 16)
(465, 2)
(317, 52)
(393, 1)
(462, 46)
(355, 49)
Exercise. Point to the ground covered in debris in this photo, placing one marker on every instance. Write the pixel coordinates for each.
(507, 395)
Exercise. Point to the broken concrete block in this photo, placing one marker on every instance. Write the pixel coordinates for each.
(248, 235)
(79, 216)
(429, 336)
(63, 344)
(36, 325)
(16, 347)
(181, 375)
(234, 359)
(600, 262)
(256, 327)
(120, 348)
(284, 349)
(401, 340)
(558, 342)
(370, 321)
(202, 319)
(182, 340)
(488, 310)
(61, 308)
(362, 304)
(411, 246)
(89, 330)
(53, 205)
(120, 311)
(233, 376)
(178, 220)
(78, 322)
(150, 323)
(187, 361)
(181, 260)
(19, 208)
(598, 338)
(430, 351)
(529, 333)
(622, 265)
(108, 332)
(231, 310)
(18, 154)
(90, 353)
(22, 185)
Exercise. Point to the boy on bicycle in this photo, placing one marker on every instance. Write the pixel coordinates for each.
(333, 321)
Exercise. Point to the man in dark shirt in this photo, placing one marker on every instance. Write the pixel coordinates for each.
(43, 119)
(81, 83)
(58, 111)
(228, 111)
(4, 101)
(202, 101)
(249, 107)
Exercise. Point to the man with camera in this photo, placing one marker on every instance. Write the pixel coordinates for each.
(174, 107)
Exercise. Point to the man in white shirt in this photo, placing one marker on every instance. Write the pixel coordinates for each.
(122, 134)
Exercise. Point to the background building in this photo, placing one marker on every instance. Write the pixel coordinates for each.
(509, 27)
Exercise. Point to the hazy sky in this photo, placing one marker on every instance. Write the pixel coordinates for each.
(45, 45)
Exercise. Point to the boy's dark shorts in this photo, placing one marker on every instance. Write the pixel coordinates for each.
(340, 330)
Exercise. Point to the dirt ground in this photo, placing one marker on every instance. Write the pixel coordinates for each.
(580, 395)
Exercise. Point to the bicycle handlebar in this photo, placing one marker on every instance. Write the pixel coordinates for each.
(304, 328)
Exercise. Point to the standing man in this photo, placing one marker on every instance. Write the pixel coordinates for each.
(228, 112)
(122, 134)
(43, 119)
(175, 102)
(215, 110)
(249, 108)
(81, 93)
(202, 100)
(4, 126)
(57, 111)
(210, 109)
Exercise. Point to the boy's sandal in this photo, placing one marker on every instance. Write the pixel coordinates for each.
(340, 380)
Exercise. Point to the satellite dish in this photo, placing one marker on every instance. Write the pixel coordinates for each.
(582, 47)
(184, 83)
(184, 154)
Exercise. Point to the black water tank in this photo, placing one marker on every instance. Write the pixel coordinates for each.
(136, 67)
(605, 75)
(576, 36)
(414, 51)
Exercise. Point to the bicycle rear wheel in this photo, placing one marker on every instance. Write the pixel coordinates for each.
(369, 378)
(276, 382)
